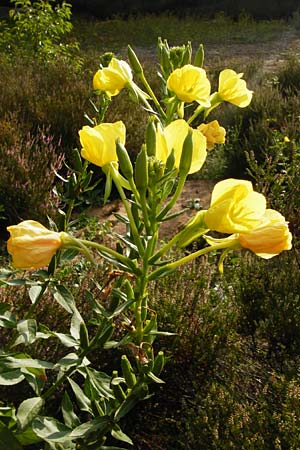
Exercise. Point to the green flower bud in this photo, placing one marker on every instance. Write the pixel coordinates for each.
(199, 57)
(159, 363)
(151, 138)
(124, 160)
(134, 62)
(128, 372)
(141, 170)
(186, 155)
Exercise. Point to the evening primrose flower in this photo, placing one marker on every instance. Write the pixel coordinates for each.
(99, 142)
(233, 89)
(214, 133)
(172, 138)
(32, 245)
(269, 239)
(114, 78)
(190, 83)
(235, 207)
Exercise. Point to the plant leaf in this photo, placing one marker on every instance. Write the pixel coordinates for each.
(70, 418)
(64, 297)
(28, 410)
(11, 377)
(50, 430)
(7, 439)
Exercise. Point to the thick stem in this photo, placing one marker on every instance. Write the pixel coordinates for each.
(133, 227)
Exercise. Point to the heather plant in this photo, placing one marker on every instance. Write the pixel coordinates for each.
(92, 400)
(28, 167)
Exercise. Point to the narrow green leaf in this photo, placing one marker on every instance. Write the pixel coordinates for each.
(155, 378)
(67, 340)
(51, 430)
(117, 433)
(11, 377)
(70, 418)
(83, 401)
(99, 383)
(64, 297)
(34, 293)
(28, 410)
(75, 325)
(99, 424)
(27, 332)
(16, 363)
(36, 379)
(8, 320)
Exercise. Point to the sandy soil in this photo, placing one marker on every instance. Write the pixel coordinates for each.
(195, 192)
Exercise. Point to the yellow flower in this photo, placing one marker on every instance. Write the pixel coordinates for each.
(214, 133)
(269, 239)
(114, 78)
(173, 136)
(99, 142)
(190, 84)
(32, 245)
(233, 89)
(235, 207)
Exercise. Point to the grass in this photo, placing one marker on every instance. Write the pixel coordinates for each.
(143, 31)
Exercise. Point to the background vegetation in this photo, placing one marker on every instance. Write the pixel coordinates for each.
(233, 378)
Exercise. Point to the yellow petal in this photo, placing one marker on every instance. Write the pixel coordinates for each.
(190, 83)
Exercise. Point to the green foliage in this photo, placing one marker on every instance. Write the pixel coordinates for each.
(37, 29)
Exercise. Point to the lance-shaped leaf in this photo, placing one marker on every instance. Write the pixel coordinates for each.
(28, 410)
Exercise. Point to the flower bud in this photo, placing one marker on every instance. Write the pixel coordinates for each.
(32, 245)
(186, 154)
(151, 138)
(141, 170)
(199, 57)
(214, 133)
(134, 62)
(124, 160)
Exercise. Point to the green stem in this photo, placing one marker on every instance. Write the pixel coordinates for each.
(152, 95)
(189, 258)
(106, 250)
(172, 202)
(140, 196)
(133, 227)
(196, 113)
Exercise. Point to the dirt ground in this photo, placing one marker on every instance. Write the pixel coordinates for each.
(196, 194)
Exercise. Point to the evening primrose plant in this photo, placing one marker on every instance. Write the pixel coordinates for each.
(91, 402)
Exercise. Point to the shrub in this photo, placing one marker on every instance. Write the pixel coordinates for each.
(38, 29)
(28, 165)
